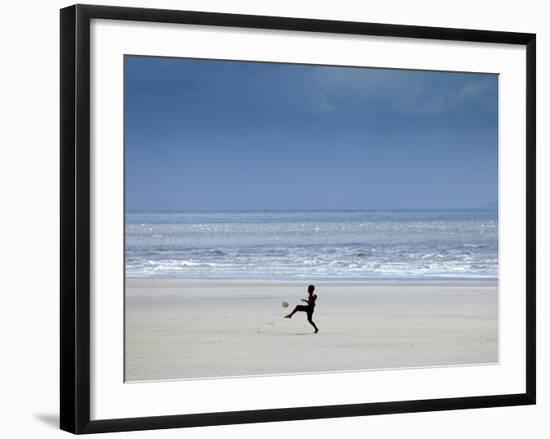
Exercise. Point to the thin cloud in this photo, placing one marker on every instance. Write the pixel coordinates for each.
(427, 101)
(321, 103)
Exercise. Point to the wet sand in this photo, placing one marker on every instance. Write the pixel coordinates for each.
(198, 329)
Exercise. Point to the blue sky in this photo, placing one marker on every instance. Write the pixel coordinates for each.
(227, 135)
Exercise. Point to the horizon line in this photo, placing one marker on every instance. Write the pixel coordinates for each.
(313, 210)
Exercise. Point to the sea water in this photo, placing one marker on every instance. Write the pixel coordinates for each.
(314, 245)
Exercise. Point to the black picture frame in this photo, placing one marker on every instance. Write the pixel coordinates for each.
(75, 218)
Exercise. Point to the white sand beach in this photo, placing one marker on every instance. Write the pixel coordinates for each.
(197, 329)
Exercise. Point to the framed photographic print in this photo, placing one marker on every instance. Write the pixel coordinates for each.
(268, 218)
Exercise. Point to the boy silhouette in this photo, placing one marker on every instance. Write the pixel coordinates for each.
(309, 308)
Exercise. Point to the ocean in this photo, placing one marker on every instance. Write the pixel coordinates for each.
(314, 246)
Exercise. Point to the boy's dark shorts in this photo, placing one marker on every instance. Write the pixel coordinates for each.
(306, 308)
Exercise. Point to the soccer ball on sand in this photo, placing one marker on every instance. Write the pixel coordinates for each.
(285, 304)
